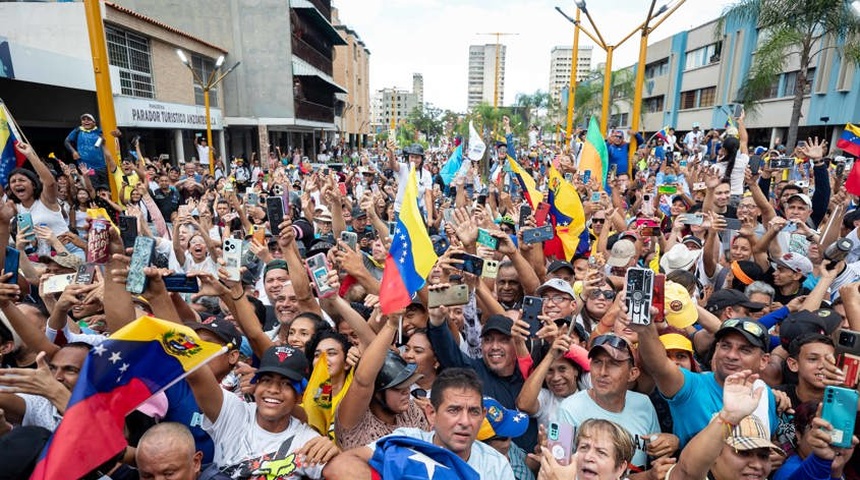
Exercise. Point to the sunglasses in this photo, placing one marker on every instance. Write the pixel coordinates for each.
(607, 294)
(748, 326)
(598, 220)
(613, 341)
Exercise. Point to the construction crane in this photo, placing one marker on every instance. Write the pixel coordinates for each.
(498, 36)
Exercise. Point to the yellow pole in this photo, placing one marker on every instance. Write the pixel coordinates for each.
(101, 70)
(496, 78)
(209, 131)
(637, 96)
(607, 83)
(574, 64)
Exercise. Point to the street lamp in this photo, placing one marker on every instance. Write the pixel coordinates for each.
(574, 67)
(209, 84)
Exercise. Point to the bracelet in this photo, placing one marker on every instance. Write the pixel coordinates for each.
(239, 297)
(729, 425)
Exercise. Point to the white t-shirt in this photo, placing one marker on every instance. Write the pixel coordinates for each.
(39, 412)
(242, 447)
(669, 144)
(484, 459)
(425, 182)
(207, 265)
(737, 180)
(693, 139)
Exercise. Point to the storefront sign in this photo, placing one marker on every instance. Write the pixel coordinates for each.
(137, 112)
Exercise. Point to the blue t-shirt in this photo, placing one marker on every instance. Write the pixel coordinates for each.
(698, 400)
(182, 408)
(85, 144)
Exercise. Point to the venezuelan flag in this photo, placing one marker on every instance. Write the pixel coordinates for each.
(527, 183)
(10, 157)
(594, 156)
(849, 141)
(566, 215)
(138, 361)
(411, 256)
(663, 134)
(318, 402)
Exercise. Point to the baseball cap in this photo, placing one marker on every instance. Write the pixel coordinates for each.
(750, 434)
(357, 212)
(578, 356)
(556, 284)
(728, 297)
(696, 125)
(621, 253)
(803, 322)
(631, 234)
(324, 215)
(88, 115)
(795, 263)
(753, 331)
(803, 198)
(680, 310)
(679, 257)
(501, 422)
(676, 341)
(221, 328)
(498, 323)
(395, 371)
(283, 360)
(692, 239)
(612, 344)
(558, 265)
(277, 264)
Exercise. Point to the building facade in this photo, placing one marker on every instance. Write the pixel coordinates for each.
(560, 61)
(483, 83)
(48, 79)
(395, 104)
(352, 71)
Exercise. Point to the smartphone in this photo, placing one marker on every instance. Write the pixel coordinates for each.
(525, 211)
(341, 187)
(738, 110)
(144, 249)
(681, 163)
(233, 258)
(659, 300)
(487, 240)
(840, 168)
(541, 213)
(184, 210)
(781, 163)
(801, 144)
(13, 257)
(351, 238)
(57, 283)
(560, 441)
(181, 283)
(790, 227)
(568, 177)
(318, 269)
(755, 164)
(453, 295)
(482, 199)
(612, 171)
(699, 186)
(86, 274)
(275, 213)
(693, 218)
(252, 199)
(586, 177)
(640, 290)
(471, 263)
(848, 356)
(25, 221)
(392, 226)
(595, 197)
(648, 227)
(667, 189)
(539, 234)
(735, 224)
(532, 307)
(127, 230)
(840, 410)
(491, 269)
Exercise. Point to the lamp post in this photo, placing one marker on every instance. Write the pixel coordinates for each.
(574, 67)
(209, 84)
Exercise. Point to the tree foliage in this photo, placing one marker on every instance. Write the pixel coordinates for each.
(789, 30)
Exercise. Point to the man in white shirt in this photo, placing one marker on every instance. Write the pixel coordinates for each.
(415, 157)
(693, 139)
(457, 414)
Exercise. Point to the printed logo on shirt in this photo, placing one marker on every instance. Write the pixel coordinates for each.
(279, 465)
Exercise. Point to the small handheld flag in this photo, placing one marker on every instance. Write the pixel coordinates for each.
(849, 141)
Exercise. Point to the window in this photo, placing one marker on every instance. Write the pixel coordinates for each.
(701, 98)
(846, 75)
(130, 53)
(657, 69)
(791, 82)
(703, 56)
(653, 104)
(203, 68)
(688, 100)
(707, 96)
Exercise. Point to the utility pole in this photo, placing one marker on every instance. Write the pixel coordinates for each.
(498, 36)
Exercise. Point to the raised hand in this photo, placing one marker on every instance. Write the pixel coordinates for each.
(739, 397)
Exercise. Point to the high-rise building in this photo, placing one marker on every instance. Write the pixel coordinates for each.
(395, 102)
(482, 74)
(559, 68)
(352, 70)
(418, 88)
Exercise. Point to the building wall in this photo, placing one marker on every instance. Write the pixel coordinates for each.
(482, 72)
(559, 68)
(351, 69)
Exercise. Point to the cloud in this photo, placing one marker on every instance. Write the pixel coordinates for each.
(432, 37)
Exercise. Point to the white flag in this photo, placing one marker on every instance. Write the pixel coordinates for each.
(476, 145)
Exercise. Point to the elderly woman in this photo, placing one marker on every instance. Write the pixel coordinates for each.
(603, 452)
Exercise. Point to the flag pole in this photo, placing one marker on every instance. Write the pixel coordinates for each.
(14, 123)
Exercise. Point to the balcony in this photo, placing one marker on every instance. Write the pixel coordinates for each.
(323, 7)
(311, 55)
(314, 112)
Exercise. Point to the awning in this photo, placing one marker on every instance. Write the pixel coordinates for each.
(318, 20)
(302, 68)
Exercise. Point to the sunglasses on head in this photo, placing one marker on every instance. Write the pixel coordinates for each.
(613, 341)
(748, 326)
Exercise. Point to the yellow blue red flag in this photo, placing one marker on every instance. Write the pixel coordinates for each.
(527, 183)
(319, 401)
(10, 157)
(566, 215)
(849, 141)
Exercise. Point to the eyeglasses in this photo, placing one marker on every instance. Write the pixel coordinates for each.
(607, 294)
(748, 326)
(613, 341)
(556, 299)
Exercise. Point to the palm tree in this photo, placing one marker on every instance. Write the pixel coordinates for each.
(589, 94)
(790, 29)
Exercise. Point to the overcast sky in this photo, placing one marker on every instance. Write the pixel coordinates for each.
(432, 37)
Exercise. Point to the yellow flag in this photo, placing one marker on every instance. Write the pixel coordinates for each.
(318, 402)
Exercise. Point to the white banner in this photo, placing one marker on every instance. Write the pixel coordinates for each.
(141, 112)
(476, 145)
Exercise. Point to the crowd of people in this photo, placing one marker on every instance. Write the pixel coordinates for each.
(761, 263)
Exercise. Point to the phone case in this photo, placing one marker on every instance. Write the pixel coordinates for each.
(840, 410)
(275, 213)
(532, 307)
(640, 286)
(351, 239)
(144, 247)
(318, 270)
(453, 295)
(848, 356)
(541, 213)
(525, 211)
(537, 235)
(560, 441)
(733, 224)
(98, 240)
(127, 230)
(233, 258)
(181, 283)
(26, 220)
(13, 258)
(471, 263)
(86, 274)
(58, 283)
(491, 269)
(487, 240)
(659, 295)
